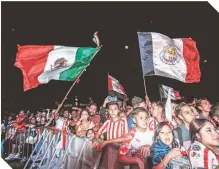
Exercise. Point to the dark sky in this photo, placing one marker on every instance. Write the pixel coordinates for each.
(73, 24)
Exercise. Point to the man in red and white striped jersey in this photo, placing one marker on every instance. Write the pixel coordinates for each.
(114, 127)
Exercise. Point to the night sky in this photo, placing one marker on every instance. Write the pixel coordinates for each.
(73, 24)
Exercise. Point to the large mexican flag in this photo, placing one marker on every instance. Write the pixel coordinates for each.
(40, 64)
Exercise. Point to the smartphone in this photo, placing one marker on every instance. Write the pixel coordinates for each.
(112, 98)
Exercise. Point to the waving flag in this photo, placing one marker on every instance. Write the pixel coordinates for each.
(174, 94)
(173, 58)
(40, 64)
(115, 88)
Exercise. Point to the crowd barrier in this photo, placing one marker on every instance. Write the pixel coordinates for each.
(52, 149)
(57, 150)
(63, 151)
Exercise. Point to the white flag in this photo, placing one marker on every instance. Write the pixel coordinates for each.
(175, 95)
(168, 108)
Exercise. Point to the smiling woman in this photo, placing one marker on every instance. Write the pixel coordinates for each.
(204, 152)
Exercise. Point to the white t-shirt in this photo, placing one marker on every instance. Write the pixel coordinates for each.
(61, 122)
(141, 139)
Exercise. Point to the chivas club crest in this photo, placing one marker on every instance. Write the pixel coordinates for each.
(169, 55)
(59, 64)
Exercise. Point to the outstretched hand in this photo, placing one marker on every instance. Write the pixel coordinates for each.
(100, 146)
(105, 101)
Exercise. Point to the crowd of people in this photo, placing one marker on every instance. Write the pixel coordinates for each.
(131, 135)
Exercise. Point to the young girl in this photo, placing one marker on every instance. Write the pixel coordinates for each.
(96, 154)
(165, 147)
(84, 123)
(138, 140)
(91, 135)
(204, 152)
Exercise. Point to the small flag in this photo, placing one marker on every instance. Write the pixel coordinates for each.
(164, 93)
(96, 39)
(115, 88)
(173, 58)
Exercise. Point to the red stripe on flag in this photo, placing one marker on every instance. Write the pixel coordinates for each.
(110, 85)
(31, 60)
(192, 58)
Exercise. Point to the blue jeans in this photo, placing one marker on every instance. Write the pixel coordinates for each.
(2, 147)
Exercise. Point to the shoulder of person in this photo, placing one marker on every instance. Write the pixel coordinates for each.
(108, 120)
(177, 129)
(123, 120)
(60, 118)
(130, 135)
(151, 118)
(133, 131)
(97, 116)
(197, 146)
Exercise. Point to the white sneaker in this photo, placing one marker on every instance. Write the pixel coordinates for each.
(11, 156)
(17, 155)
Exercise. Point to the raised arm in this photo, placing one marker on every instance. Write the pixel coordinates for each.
(56, 114)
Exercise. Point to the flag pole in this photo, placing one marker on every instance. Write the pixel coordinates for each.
(145, 89)
(76, 80)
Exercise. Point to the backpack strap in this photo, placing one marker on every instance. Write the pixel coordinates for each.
(179, 133)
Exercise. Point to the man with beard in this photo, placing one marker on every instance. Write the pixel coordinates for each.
(94, 116)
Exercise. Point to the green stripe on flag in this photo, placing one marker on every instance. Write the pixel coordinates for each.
(82, 59)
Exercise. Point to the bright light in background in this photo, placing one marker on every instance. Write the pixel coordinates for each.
(126, 47)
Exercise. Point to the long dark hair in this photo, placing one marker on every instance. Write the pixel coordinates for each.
(195, 126)
(84, 109)
(90, 130)
(159, 127)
